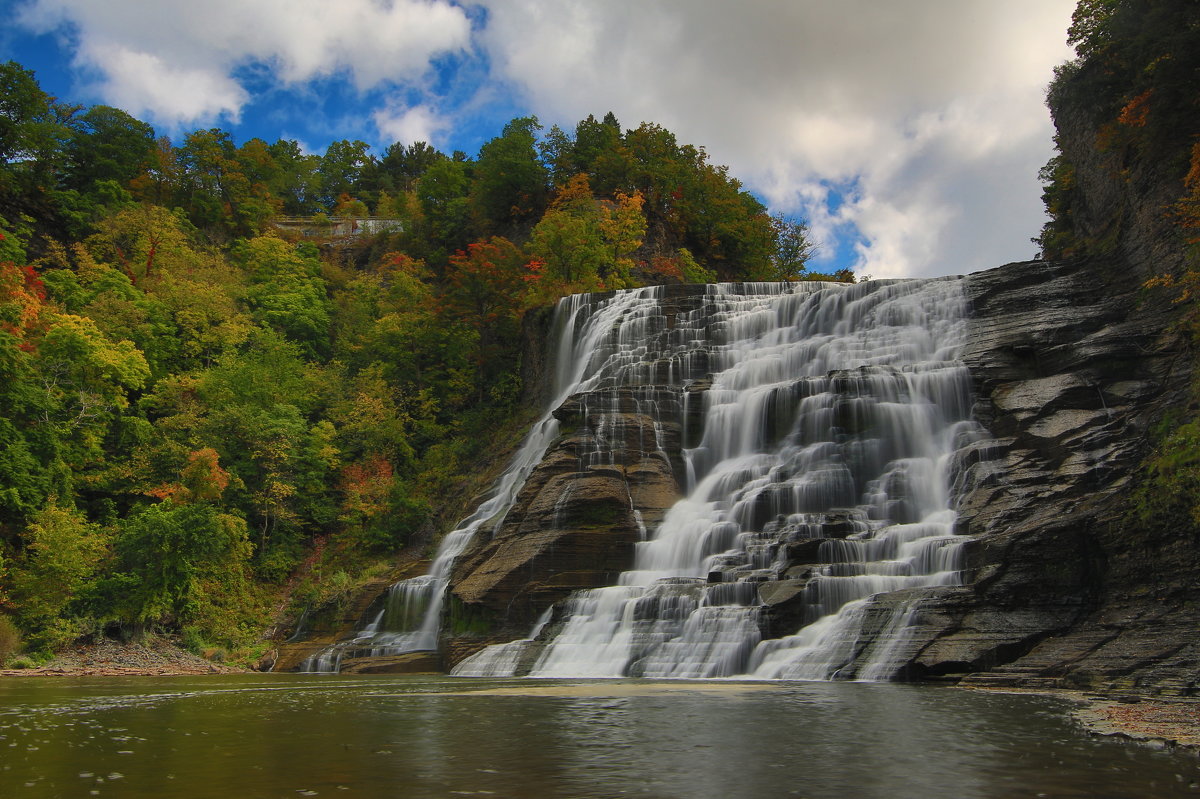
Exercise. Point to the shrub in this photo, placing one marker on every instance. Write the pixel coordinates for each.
(10, 639)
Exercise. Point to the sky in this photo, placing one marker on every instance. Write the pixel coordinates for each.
(907, 133)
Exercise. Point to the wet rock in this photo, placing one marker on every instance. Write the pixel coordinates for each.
(407, 663)
(1071, 367)
(579, 515)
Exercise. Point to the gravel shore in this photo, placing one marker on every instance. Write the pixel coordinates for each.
(1172, 723)
(158, 657)
(1167, 722)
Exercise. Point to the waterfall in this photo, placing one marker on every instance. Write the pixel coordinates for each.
(822, 464)
(596, 336)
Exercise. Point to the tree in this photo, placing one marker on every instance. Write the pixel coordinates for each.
(287, 291)
(557, 151)
(85, 373)
(569, 242)
(510, 182)
(108, 144)
(63, 554)
(176, 558)
(793, 248)
(143, 240)
(623, 226)
(442, 194)
(485, 293)
(341, 168)
(34, 131)
(27, 444)
(297, 180)
(162, 182)
(600, 151)
(404, 165)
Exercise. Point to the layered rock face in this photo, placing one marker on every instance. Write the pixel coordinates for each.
(1072, 366)
(1069, 365)
(609, 478)
(808, 426)
(575, 523)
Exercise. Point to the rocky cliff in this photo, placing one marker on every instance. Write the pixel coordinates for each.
(1072, 364)
(1072, 367)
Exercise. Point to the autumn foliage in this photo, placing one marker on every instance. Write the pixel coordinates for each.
(201, 412)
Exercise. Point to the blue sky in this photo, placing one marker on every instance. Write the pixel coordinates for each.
(909, 134)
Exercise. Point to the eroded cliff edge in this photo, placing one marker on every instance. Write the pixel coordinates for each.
(1072, 365)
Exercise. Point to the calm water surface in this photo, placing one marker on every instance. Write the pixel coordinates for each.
(310, 735)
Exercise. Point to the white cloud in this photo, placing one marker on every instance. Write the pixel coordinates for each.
(926, 116)
(141, 83)
(931, 110)
(206, 42)
(409, 125)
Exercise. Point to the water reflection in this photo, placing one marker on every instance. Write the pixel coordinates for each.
(293, 735)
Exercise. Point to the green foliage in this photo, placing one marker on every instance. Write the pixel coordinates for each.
(188, 404)
(108, 146)
(10, 640)
(793, 248)
(510, 181)
(286, 291)
(446, 210)
(569, 242)
(180, 564)
(63, 555)
(341, 167)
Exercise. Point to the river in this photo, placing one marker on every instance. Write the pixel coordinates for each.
(427, 736)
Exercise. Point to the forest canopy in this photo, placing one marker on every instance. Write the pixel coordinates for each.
(204, 412)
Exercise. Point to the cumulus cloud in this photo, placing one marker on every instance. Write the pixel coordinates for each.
(141, 83)
(909, 133)
(922, 122)
(410, 125)
(205, 43)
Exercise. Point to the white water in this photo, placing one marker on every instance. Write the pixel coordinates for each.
(834, 413)
(596, 339)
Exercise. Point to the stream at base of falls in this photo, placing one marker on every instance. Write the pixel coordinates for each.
(290, 735)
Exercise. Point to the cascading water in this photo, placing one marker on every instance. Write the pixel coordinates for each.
(830, 428)
(594, 339)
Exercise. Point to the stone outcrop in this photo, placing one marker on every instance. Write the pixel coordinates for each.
(1072, 365)
(575, 522)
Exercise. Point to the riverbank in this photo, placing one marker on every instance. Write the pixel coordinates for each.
(1172, 723)
(159, 657)
(1165, 722)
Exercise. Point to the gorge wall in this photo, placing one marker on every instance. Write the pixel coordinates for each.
(1070, 367)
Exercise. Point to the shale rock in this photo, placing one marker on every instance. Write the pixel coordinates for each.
(1071, 368)
(575, 522)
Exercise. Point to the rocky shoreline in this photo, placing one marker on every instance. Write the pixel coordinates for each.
(155, 657)
(1170, 723)
(1162, 722)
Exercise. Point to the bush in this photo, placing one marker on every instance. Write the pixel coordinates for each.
(192, 639)
(10, 639)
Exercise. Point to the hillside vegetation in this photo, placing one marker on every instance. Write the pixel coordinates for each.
(1134, 188)
(201, 419)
